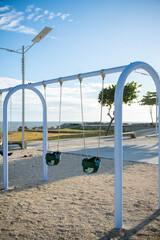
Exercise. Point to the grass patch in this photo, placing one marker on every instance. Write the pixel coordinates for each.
(67, 133)
(38, 136)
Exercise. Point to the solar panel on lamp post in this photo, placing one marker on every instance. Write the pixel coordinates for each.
(37, 39)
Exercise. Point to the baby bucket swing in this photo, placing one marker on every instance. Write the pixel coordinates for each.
(91, 165)
(53, 158)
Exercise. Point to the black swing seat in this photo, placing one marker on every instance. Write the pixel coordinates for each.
(53, 158)
(91, 165)
(9, 154)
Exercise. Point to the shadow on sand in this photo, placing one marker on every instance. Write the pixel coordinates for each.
(124, 234)
(28, 172)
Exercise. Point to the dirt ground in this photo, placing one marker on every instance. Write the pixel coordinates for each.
(73, 205)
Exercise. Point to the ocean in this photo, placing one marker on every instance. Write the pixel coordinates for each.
(13, 126)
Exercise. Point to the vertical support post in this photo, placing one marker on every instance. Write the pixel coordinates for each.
(118, 160)
(1, 112)
(159, 153)
(23, 95)
(5, 146)
(45, 138)
(156, 114)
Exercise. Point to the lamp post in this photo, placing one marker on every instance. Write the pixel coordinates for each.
(38, 38)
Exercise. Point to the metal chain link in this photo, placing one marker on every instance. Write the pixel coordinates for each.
(100, 127)
(60, 107)
(45, 97)
(10, 127)
(84, 141)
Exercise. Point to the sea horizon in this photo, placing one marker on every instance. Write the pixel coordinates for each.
(14, 125)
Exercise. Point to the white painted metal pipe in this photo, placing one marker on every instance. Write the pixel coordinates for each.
(156, 115)
(118, 151)
(5, 132)
(74, 77)
(23, 94)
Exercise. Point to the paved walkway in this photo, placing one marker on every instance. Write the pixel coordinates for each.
(144, 148)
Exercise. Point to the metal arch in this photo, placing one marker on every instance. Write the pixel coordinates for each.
(5, 131)
(118, 149)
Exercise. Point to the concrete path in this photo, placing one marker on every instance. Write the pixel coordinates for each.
(144, 148)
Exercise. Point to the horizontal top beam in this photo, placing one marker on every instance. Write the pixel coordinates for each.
(73, 77)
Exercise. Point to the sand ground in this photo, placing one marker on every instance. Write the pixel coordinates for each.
(73, 205)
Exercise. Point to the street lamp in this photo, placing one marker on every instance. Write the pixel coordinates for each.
(38, 38)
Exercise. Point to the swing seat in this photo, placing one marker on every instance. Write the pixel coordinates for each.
(91, 165)
(53, 158)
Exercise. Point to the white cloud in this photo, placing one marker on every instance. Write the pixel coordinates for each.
(4, 20)
(10, 20)
(38, 17)
(12, 24)
(46, 12)
(70, 20)
(6, 82)
(5, 8)
(9, 16)
(64, 16)
(51, 16)
(13, 20)
(26, 30)
(94, 86)
(29, 8)
(38, 10)
(30, 16)
(52, 37)
(22, 29)
(58, 14)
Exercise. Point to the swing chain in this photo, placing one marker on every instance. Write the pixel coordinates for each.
(60, 81)
(102, 74)
(100, 127)
(45, 97)
(11, 121)
(43, 83)
(84, 141)
(79, 77)
(60, 107)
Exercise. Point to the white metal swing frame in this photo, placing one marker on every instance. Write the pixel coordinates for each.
(118, 152)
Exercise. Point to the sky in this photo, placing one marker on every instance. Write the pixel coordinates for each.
(87, 35)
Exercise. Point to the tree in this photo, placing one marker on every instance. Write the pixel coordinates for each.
(150, 100)
(129, 94)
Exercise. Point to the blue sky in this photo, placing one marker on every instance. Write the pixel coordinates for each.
(87, 36)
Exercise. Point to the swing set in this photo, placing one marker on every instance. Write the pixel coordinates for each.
(90, 165)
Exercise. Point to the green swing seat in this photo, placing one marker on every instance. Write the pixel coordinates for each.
(91, 165)
(53, 158)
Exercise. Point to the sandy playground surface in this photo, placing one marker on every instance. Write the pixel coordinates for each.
(73, 205)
